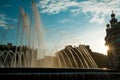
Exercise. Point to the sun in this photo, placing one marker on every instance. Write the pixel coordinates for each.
(107, 48)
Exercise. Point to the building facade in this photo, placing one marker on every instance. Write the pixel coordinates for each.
(113, 42)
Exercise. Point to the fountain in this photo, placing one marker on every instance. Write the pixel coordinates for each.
(75, 57)
(25, 56)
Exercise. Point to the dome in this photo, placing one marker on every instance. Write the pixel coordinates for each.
(112, 15)
(107, 25)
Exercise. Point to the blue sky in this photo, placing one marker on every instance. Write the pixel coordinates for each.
(64, 22)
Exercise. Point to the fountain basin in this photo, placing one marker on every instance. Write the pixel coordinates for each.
(60, 73)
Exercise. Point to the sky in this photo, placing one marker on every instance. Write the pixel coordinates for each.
(64, 22)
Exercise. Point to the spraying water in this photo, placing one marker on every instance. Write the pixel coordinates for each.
(39, 29)
(26, 25)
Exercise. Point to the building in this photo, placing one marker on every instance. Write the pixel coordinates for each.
(100, 59)
(113, 42)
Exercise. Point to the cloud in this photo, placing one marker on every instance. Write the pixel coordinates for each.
(55, 6)
(97, 8)
(10, 19)
(2, 24)
(97, 18)
(4, 21)
(63, 21)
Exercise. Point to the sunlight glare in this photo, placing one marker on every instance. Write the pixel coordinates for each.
(107, 48)
(104, 50)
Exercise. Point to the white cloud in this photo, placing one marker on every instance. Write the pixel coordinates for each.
(97, 18)
(2, 24)
(95, 7)
(63, 21)
(4, 21)
(56, 6)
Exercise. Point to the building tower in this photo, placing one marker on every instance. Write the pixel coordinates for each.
(113, 42)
